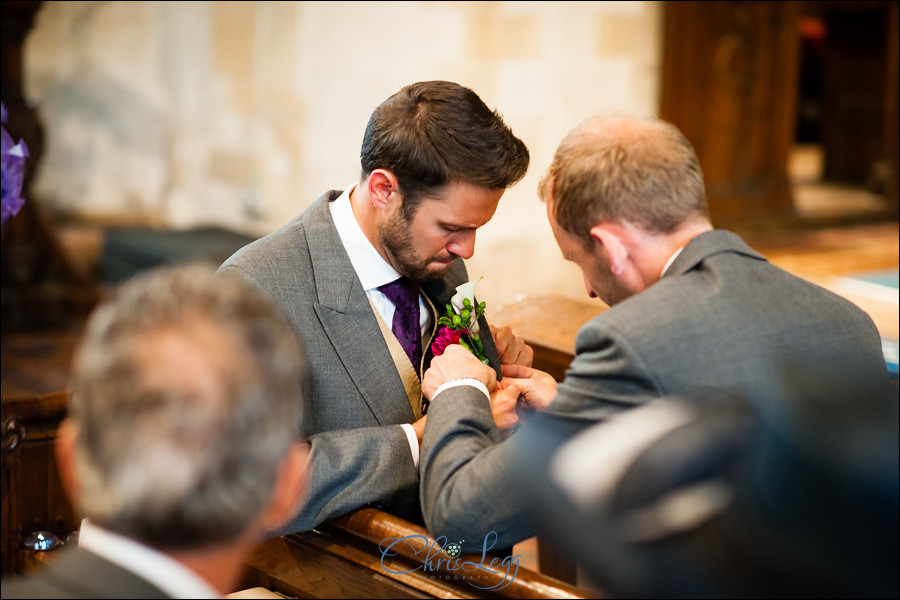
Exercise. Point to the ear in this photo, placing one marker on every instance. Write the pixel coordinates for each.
(381, 185)
(610, 239)
(64, 450)
(290, 487)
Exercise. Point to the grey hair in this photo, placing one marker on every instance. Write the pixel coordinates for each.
(187, 397)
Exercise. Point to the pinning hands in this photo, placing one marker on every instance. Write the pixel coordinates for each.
(504, 404)
(512, 348)
(537, 389)
(456, 363)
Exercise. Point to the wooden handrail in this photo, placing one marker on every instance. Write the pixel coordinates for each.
(370, 553)
(377, 526)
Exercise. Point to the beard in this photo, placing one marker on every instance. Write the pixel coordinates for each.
(398, 242)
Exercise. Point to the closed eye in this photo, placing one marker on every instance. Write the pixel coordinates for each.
(456, 228)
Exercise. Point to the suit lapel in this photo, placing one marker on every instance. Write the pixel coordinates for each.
(347, 319)
(440, 292)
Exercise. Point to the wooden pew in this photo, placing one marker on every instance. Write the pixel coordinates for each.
(32, 496)
(549, 324)
(354, 557)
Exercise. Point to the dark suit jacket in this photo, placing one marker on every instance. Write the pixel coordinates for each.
(360, 457)
(80, 574)
(722, 318)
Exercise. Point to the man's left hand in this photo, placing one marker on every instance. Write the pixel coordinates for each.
(512, 348)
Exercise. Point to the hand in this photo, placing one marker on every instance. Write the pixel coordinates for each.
(456, 363)
(419, 428)
(504, 401)
(512, 348)
(537, 388)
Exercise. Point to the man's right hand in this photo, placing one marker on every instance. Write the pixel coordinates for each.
(456, 363)
(537, 388)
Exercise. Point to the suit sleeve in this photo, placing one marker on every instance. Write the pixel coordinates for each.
(369, 465)
(374, 463)
(466, 473)
(470, 481)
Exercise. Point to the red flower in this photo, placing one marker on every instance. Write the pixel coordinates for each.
(445, 337)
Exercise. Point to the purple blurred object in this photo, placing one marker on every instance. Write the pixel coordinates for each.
(13, 174)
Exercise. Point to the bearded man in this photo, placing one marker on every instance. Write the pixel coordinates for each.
(362, 262)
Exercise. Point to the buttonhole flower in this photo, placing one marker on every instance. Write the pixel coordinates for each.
(459, 323)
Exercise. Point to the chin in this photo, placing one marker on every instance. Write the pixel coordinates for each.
(436, 270)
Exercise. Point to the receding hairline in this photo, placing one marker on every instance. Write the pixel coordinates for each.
(620, 128)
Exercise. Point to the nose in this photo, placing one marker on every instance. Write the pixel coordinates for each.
(463, 244)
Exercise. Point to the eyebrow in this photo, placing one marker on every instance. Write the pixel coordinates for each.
(457, 226)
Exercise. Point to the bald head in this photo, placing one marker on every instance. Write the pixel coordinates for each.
(631, 170)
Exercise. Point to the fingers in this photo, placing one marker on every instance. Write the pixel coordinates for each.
(537, 388)
(516, 371)
(504, 401)
(456, 363)
(511, 348)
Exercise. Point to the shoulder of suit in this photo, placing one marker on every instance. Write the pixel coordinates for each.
(707, 245)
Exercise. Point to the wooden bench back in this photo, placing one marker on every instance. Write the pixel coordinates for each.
(33, 497)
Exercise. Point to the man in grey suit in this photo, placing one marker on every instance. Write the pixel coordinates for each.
(180, 448)
(435, 162)
(694, 310)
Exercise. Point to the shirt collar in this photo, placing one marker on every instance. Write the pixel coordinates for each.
(164, 572)
(370, 267)
(670, 261)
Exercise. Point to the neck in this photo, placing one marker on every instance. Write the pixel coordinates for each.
(364, 213)
(655, 250)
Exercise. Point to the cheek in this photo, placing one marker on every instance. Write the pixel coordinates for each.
(425, 241)
(433, 239)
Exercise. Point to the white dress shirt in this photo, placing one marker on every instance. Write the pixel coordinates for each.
(373, 271)
(670, 261)
(164, 572)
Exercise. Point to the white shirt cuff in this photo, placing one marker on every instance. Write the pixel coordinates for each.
(476, 383)
(413, 442)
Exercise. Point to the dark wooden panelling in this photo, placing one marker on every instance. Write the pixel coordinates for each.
(33, 497)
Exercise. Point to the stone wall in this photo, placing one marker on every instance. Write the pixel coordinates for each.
(241, 114)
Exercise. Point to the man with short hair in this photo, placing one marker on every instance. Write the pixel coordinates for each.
(181, 448)
(363, 275)
(692, 310)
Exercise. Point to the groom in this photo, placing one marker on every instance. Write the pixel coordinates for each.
(363, 271)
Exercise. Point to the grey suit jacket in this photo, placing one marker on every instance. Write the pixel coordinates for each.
(360, 456)
(722, 318)
(80, 574)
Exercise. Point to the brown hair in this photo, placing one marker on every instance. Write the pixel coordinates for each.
(608, 169)
(432, 133)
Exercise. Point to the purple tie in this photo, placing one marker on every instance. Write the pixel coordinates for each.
(404, 293)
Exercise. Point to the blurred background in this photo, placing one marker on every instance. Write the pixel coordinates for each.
(163, 130)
